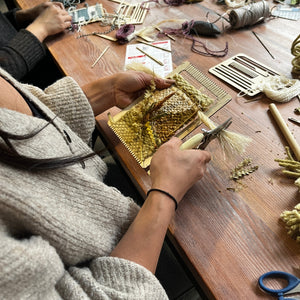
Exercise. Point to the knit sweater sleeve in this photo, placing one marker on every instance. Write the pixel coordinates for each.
(31, 269)
(66, 99)
(111, 278)
(21, 54)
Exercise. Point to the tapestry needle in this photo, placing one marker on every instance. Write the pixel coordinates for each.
(157, 47)
(157, 61)
(169, 36)
(263, 44)
(93, 65)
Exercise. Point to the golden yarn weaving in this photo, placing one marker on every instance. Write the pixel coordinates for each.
(156, 118)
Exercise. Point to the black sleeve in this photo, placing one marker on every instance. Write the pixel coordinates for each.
(21, 54)
(11, 17)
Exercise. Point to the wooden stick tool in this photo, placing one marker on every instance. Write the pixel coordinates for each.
(285, 130)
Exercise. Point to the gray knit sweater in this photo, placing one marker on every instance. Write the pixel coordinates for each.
(58, 227)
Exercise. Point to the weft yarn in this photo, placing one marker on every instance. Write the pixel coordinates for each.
(249, 14)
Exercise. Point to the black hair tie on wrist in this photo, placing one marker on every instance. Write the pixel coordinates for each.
(166, 193)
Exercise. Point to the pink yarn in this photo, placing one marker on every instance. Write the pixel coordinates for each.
(125, 33)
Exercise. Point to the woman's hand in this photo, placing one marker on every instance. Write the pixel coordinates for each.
(120, 89)
(47, 19)
(131, 84)
(174, 170)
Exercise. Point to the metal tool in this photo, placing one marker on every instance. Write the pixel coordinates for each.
(294, 121)
(201, 140)
(293, 286)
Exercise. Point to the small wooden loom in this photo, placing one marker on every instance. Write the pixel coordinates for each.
(144, 125)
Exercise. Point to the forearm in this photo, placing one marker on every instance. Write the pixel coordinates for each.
(21, 54)
(100, 94)
(143, 241)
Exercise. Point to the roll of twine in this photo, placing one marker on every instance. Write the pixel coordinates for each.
(295, 49)
(249, 14)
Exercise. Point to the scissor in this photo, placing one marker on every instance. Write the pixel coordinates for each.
(292, 287)
(201, 140)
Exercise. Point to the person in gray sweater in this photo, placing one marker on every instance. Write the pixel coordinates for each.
(22, 52)
(64, 234)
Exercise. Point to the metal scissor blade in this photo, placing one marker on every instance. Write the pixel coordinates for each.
(295, 290)
(210, 135)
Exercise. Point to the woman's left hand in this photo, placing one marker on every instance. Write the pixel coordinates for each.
(129, 85)
(120, 89)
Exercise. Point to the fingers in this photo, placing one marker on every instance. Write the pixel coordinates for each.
(59, 5)
(161, 83)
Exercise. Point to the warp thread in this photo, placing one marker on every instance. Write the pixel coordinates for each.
(249, 14)
(295, 49)
(125, 33)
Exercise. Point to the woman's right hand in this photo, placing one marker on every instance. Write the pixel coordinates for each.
(51, 18)
(176, 171)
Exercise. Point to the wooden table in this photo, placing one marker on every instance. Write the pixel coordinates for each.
(226, 238)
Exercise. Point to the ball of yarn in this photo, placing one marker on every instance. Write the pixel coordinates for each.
(125, 33)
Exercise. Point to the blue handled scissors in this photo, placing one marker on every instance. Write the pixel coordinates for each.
(292, 287)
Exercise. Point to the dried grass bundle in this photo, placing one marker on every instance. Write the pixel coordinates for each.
(231, 142)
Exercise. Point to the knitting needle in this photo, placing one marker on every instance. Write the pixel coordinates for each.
(93, 65)
(169, 36)
(157, 61)
(149, 44)
(263, 44)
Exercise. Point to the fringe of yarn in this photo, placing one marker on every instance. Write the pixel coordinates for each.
(232, 143)
(134, 66)
(279, 88)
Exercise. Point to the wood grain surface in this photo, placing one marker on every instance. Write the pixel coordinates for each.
(227, 238)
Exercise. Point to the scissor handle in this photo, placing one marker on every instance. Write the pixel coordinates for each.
(193, 142)
(292, 280)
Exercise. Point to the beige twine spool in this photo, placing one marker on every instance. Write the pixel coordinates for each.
(249, 14)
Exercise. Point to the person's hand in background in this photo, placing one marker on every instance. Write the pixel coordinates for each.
(45, 19)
